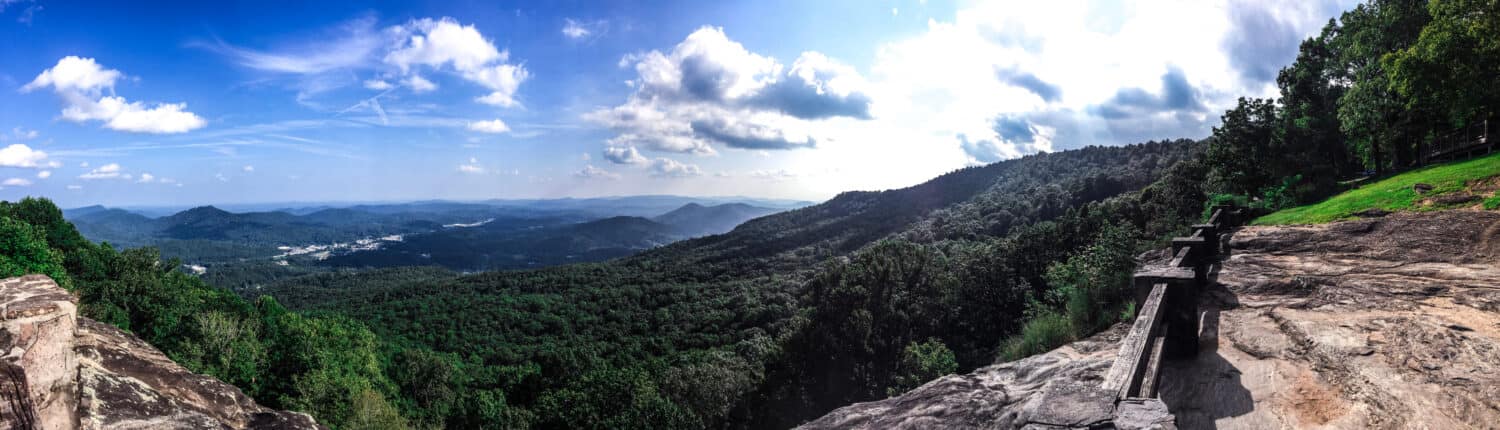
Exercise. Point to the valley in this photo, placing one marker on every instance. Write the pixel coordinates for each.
(1157, 214)
(464, 237)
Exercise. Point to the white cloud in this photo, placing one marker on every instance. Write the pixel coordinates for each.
(472, 166)
(491, 126)
(995, 80)
(84, 164)
(418, 84)
(75, 187)
(445, 42)
(624, 155)
(591, 172)
(575, 30)
(221, 177)
(44, 174)
(398, 54)
(346, 46)
(146, 178)
(711, 90)
(22, 134)
(20, 155)
(16, 182)
(248, 168)
(580, 30)
(669, 168)
(773, 175)
(377, 84)
(107, 171)
(81, 82)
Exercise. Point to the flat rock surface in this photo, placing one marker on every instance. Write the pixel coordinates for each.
(1384, 323)
(992, 397)
(1389, 323)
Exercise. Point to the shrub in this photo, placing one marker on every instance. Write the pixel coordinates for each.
(1041, 333)
(922, 362)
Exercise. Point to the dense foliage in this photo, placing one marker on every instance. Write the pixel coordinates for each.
(787, 316)
(329, 366)
(1372, 93)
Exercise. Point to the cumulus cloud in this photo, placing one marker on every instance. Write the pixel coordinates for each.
(418, 84)
(146, 178)
(440, 43)
(591, 172)
(1176, 95)
(669, 168)
(1264, 38)
(20, 155)
(81, 82)
(16, 182)
(1048, 92)
(491, 126)
(107, 171)
(400, 54)
(44, 174)
(624, 155)
(248, 168)
(710, 90)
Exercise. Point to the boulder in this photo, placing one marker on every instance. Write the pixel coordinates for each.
(61, 371)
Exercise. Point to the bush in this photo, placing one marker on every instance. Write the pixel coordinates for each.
(1041, 333)
(922, 362)
(23, 251)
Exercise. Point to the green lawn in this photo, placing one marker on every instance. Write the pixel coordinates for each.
(1395, 193)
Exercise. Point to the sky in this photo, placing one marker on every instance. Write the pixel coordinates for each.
(121, 103)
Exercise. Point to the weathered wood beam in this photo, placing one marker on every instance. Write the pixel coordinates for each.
(1124, 376)
(1180, 258)
(1150, 379)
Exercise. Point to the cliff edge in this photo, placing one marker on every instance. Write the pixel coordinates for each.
(1387, 323)
(61, 371)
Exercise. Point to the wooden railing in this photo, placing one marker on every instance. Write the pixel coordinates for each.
(1166, 321)
(1459, 143)
(1166, 325)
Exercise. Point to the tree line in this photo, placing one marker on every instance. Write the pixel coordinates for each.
(1369, 95)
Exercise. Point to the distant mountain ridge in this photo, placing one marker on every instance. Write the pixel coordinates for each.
(495, 247)
(482, 236)
(694, 220)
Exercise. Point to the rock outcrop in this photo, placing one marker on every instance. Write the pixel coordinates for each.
(61, 371)
(1387, 323)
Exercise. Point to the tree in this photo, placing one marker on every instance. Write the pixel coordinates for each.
(1240, 149)
(1311, 140)
(24, 251)
(1384, 128)
(1454, 63)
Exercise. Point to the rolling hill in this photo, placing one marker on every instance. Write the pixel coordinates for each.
(762, 326)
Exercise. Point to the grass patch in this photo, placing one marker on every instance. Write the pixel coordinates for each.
(1492, 203)
(1393, 194)
(1040, 334)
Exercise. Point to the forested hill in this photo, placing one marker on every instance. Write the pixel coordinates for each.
(969, 203)
(788, 315)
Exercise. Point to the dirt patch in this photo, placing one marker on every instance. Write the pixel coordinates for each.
(1486, 186)
(1314, 403)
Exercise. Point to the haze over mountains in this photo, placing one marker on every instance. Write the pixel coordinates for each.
(495, 234)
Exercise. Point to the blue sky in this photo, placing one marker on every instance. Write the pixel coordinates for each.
(217, 102)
